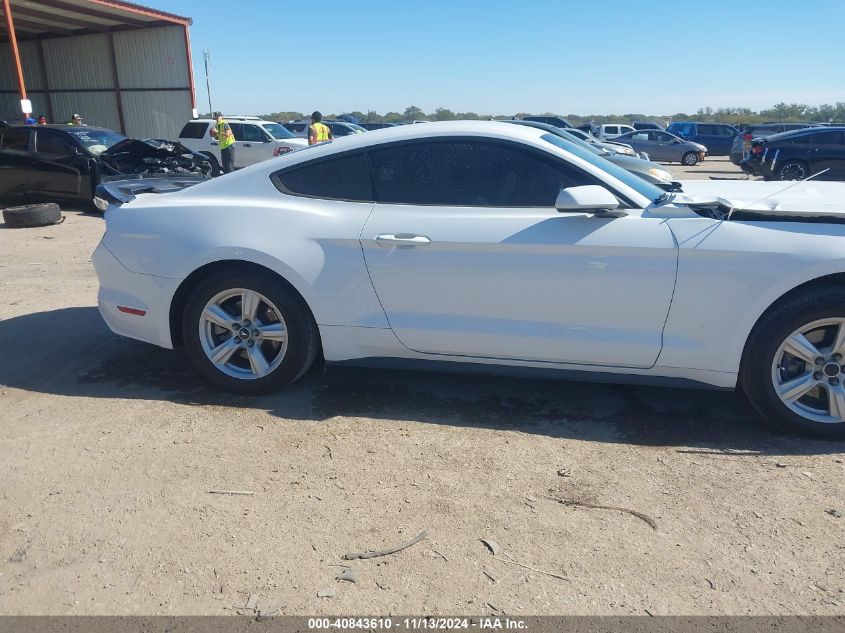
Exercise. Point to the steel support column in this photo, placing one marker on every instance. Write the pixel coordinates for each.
(13, 42)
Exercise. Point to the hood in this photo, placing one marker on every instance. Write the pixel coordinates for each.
(767, 199)
(638, 166)
(152, 156)
(150, 148)
(293, 142)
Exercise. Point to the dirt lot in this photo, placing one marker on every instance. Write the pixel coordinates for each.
(110, 448)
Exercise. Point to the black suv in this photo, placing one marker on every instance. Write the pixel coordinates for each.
(742, 141)
(798, 154)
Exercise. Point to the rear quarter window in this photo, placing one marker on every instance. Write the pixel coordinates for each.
(16, 139)
(194, 129)
(342, 178)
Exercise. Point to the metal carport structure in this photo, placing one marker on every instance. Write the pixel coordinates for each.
(120, 65)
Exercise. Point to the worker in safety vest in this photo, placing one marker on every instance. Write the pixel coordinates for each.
(226, 141)
(318, 132)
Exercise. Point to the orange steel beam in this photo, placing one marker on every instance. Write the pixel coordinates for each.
(139, 10)
(13, 41)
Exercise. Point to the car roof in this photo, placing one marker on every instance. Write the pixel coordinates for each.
(804, 130)
(488, 129)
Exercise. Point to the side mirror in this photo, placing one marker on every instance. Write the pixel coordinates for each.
(586, 198)
(676, 141)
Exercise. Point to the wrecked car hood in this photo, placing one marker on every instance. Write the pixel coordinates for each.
(152, 156)
(150, 147)
(767, 199)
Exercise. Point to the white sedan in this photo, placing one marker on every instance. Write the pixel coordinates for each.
(483, 246)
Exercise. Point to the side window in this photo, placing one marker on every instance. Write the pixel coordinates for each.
(662, 136)
(252, 133)
(49, 142)
(343, 178)
(469, 173)
(683, 129)
(640, 136)
(237, 130)
(827, 138)
(705, 129)
(611, 129)
(339, 130)
(194, 129)
(16, 138)
(726, 130)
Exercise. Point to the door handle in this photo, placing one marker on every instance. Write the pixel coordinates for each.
(406, 240)
(247, 145)
(214, 142)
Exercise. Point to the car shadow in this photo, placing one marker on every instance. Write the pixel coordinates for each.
(76, 355)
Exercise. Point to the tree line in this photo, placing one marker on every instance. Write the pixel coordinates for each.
(795, 112)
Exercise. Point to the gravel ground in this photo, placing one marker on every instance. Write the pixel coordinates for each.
(602, 499)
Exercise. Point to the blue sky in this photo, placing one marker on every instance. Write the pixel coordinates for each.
(496, 57)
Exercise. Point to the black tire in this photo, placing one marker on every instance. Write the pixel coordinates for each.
(303, 337)
(212, 160)
(32, 215)
(755, 377)
(690, 159)
(793, 170)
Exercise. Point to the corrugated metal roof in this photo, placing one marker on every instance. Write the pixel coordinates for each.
(37, 18)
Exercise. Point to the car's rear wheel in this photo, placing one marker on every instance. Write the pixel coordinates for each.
(793, 370)
(793, 170)
(248, 332)
(690, 159)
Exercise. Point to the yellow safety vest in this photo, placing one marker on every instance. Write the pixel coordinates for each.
(322, 131)
(225, 137)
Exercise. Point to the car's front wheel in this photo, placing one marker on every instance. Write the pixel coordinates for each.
(793, 370)
(247, 332)
(793, 170)
(690, 159)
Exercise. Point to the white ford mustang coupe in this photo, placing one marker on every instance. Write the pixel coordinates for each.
(485, 245)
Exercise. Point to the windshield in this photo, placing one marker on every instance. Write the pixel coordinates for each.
(96, 141)
(357, 128)
(277, 131)
(645, 189)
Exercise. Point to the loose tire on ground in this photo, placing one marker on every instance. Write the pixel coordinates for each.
(32, 215)
(758, 371)
(302, 342)
(690, 159)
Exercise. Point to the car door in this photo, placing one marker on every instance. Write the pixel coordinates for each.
(469, 257)
(59, 168)
(665, 147)
(828, 152)
(641, 142)
(258, 142)
(15, 161)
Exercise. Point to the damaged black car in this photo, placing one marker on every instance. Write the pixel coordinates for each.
(66, 163)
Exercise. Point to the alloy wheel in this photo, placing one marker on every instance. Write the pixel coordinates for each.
(243, 333)
(808, 371)
(793, 171)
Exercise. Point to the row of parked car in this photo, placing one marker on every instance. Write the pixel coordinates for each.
(68, 162)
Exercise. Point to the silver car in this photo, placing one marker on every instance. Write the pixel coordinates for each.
(664, 147)
(651, 172)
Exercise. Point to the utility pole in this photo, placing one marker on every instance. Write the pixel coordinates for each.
(206, 55)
